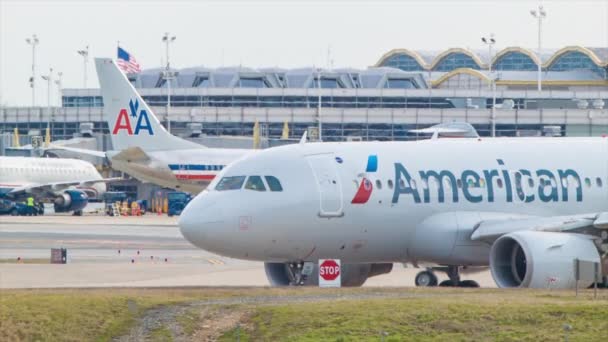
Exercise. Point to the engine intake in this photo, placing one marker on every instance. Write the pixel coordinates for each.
(70, 200)
(540, 259)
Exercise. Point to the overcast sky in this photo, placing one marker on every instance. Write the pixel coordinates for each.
(267, 33)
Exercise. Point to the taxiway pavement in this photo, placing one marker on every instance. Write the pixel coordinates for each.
(146, 251)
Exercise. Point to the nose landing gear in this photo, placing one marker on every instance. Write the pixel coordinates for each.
(428, 277)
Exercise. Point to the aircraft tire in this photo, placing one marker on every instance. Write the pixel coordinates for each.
(446, 283)
(425, 279)
(468, 283)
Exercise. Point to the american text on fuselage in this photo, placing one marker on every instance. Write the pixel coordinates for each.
(513, 184)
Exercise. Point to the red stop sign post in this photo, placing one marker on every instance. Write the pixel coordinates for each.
(329, 273)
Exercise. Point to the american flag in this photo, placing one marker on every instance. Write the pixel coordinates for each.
(127, 62)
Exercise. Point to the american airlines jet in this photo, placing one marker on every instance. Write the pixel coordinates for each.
(67, 183)
(142, 146)
(525, 207)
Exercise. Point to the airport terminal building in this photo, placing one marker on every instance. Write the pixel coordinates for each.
(405, 89)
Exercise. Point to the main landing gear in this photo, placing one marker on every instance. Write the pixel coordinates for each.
(299, 272)
(428, 277)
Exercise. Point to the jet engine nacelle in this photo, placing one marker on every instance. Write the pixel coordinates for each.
(352, 275)
(540, 259)
(70, 200)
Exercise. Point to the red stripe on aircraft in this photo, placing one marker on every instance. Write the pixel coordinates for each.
(203, 177)
(364, 192)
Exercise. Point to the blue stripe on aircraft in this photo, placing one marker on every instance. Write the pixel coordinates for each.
(195, 167)
(372, 163)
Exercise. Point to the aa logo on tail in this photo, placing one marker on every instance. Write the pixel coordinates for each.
(123, 122)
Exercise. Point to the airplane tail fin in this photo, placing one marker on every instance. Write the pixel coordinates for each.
(130, 120)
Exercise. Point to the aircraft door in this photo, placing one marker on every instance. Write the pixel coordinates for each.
(328, 183)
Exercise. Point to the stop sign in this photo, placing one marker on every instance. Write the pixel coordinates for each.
(329, 272)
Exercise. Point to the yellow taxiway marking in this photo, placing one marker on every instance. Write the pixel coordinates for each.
(215, 261)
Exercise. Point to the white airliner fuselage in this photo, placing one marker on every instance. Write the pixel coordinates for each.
(380, 202)
(67, 183)
(18, 172)
(188, 170)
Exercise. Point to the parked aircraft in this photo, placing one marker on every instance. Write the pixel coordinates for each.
(67, 183)
(525, 207)
(143, 148)
(146, 150)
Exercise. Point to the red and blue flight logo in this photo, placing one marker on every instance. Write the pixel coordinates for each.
(365, 187)
(123, 121)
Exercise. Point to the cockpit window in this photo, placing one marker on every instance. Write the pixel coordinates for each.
(230, 183)
(255, 183)
(273, 183)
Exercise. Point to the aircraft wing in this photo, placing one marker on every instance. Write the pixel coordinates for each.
(490, 230)
(39, 189)
(434, 129)
(133, 154)
(85, 151)
(450, 130)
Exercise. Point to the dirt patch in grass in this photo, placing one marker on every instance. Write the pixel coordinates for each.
(217, 321)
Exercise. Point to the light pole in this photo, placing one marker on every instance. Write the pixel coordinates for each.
(33, 41)
(490, 41)
(539, 14)
(85, 56)
(59, 87)
(167, 39)
(320, 121)
(49, 80)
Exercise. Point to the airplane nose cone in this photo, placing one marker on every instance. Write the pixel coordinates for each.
(198, 223)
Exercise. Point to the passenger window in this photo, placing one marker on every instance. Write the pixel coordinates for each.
(378, 184)
(273, 183)
(588, 182)
(598, 181)
(230, 183)
(390, 184)
(255, 183)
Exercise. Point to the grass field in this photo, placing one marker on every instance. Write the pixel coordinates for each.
(262, 314)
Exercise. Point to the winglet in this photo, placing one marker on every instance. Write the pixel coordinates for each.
(256, 135)
(47, 137)
(285, 133)
(16, 142)
(303, 138)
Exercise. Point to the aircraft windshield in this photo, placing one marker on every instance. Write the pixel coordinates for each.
(255, 183)
(230, 183)
(273, 183)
